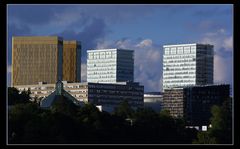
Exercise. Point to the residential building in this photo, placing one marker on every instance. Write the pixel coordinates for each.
(36, 59)
(71, 61)
(187, 64)
(194, 102)
(153, 100)
(110, 65)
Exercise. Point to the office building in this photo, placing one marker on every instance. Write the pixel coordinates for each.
(107, 95)
(187, 64)
(110, 65)
(71, 61)
(153, 100)
(36, 59)
(194, 102)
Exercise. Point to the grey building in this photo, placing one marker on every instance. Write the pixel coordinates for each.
(194, 102)
(187, 64)
(110, 65)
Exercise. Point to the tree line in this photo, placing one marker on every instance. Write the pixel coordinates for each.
(67, 123)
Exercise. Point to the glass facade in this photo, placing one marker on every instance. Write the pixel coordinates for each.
(36, 59)
(110, 65)
(71, 61)
(187, 64)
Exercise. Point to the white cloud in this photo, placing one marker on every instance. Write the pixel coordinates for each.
(223, 43)
(222, 69)
(228, 43)
(219, 39)
(9, 68)
(83, 72)
(145, 43)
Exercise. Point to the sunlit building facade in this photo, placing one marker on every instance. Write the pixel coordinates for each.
(71, 61)
(36, 59)
(110, 65)
(187, 64)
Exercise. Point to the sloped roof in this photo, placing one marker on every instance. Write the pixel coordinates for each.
(59, 91)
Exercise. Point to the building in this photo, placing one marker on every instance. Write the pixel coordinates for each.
(110, 65)
(72, 61)
(153, 100)
(173, 101)
(187, 64)
(108, 96)
(194, 102)
(36, 59)
(58, 94)
(200, 99)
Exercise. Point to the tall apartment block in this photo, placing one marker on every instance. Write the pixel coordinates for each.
(72, 61)
(187, 64)
(36, 59)
(110, 65)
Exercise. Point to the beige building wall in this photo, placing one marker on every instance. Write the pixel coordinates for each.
(36, 59)
(70, 61)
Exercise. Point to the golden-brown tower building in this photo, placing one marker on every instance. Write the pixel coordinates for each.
(72, 61)
(36, 59)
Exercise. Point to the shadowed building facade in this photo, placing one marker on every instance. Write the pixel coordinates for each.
(71, 61)
(36, 59)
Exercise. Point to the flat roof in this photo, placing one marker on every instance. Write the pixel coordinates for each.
(180, 45)
(104, 50)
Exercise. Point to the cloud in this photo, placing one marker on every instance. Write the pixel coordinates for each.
(89, 36)
(223, 69)
(223, 47)
(228, 43)
(220, 39)
(145, 43)
(9, 72)
(83, 72)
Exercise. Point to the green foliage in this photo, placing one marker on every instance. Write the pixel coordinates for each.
(124, 110)
(15, 97)
(221, 131)
(66, 123)
(64, 105)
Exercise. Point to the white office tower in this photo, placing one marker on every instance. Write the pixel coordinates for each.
(187, 64)
(110, 65)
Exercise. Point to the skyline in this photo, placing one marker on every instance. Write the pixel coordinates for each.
(119, 26)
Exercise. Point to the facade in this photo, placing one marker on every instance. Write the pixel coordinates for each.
(153, 100)
(187, 64)
(110, 65)
(36, 59)
(108, 96)
(72, 61)
(194, 102)
(199, 101)
(173, 101)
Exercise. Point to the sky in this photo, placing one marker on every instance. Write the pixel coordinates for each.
(142, 28)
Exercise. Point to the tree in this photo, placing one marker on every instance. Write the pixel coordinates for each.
(63, 105)
(124, 110)
(221, 131)
(15, 97)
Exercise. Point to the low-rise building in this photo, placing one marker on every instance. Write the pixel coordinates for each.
(153, 100)
(106, 95)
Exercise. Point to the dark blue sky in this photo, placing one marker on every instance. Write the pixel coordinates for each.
(143, 28)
